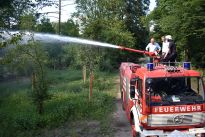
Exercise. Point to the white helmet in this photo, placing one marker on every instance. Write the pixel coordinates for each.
(168, 37)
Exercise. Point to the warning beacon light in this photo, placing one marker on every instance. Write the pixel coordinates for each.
(187, 65)
(150, 66)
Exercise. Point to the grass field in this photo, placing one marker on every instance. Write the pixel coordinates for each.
(68, 112)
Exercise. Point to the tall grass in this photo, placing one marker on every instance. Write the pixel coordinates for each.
(68, 103)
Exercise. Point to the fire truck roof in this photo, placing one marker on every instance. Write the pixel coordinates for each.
(166, 71)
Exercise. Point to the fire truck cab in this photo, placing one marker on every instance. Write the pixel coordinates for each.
(161, 99)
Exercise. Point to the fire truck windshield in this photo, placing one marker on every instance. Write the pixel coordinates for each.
(174, 90)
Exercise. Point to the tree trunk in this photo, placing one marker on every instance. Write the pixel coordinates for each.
(187, 56)
(33, 81)
(40, 107)
(59, 62)
(54, 64)
(84, 74)
(91, 85)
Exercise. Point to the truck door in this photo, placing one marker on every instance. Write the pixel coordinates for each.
(136, 90)
(139, 91)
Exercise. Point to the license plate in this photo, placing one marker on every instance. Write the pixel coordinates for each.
(197, 130)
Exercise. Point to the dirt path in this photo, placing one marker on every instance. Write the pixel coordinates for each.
(121, 124)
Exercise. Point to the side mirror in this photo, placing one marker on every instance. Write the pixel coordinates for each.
(132, 87)
(133, 81)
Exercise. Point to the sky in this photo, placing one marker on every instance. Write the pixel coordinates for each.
(68, 7)
(152, 5)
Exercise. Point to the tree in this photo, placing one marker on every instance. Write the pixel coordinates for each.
(32, 53)
(55, 53)
(134, 11)
(12, 10)
(27, 22)
(90, 59)
(102, 21)
(70, 28)
(185, 21)
(45, 26)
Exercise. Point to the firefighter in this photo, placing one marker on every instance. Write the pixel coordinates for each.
(165, 47)
(153, 47)
(171, 53)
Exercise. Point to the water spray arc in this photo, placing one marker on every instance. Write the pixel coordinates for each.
(52, 38)
(66, 39)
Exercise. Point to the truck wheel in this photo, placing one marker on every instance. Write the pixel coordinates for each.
(137, 134)
(134, 133)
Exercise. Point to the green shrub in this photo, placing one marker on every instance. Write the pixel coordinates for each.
(68, 103)
(26, 121)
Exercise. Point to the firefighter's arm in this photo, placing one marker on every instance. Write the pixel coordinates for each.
(147, 47)
(159, 48)
(165, 56)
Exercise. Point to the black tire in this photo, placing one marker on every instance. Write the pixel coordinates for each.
(137, 134)
(203, 135)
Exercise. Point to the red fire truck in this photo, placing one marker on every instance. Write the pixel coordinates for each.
(162, 98)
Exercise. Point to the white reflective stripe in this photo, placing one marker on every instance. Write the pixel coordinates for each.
(161, 133)
(136, 115)
(124, 83)
(124, 80)
(152, 132)
(197, 130)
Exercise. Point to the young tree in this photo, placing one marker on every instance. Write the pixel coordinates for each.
(32, 53)
(90, 59)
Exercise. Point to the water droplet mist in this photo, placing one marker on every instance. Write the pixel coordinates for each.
(53, 38)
